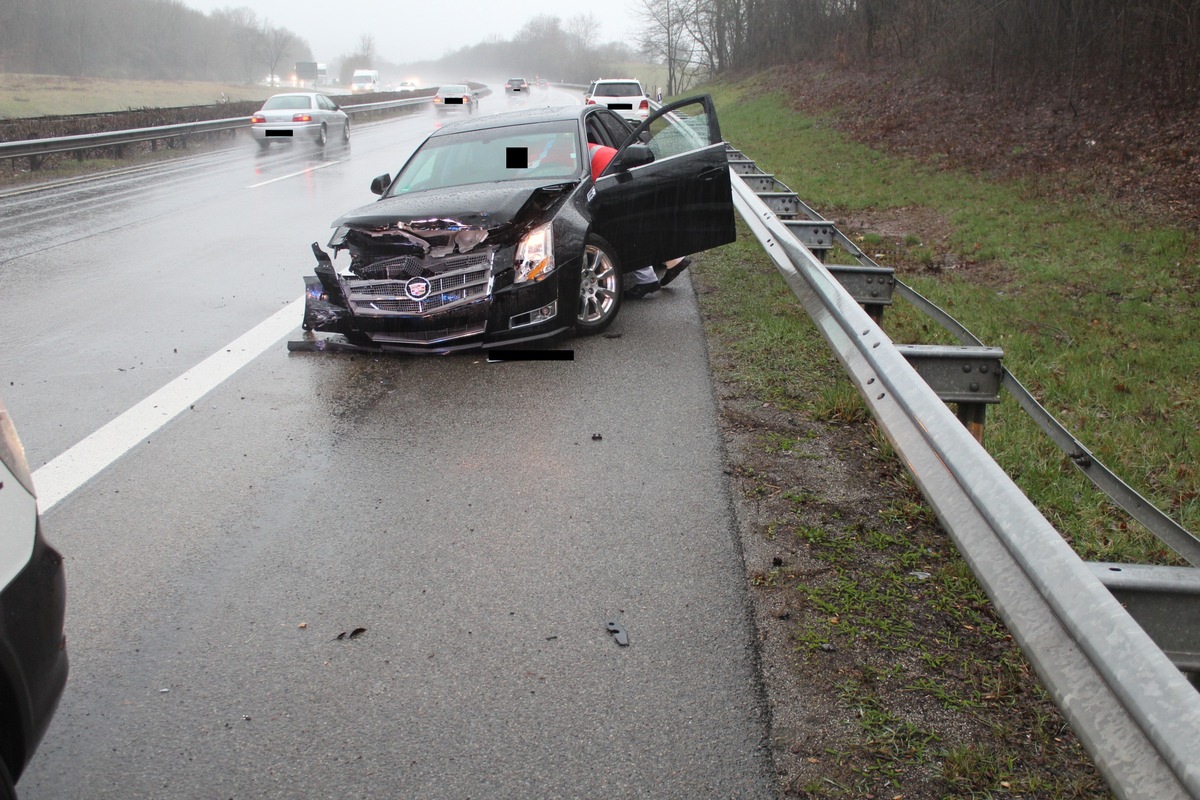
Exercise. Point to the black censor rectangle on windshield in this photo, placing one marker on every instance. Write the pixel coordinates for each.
(516, 157)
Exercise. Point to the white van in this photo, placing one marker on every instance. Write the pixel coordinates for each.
(364, 80)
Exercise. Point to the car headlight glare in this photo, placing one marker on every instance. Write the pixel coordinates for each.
(535, 255)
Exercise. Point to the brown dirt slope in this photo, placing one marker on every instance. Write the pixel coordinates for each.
(1142, 154)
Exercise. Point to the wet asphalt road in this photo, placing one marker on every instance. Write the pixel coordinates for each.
(461, 512)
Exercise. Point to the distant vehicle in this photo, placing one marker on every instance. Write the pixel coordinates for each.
(516, 86)
(306, 116)
(270, 80)
(454, 97)
(623, 95)
(499, 231)
(33, 650)
(542, 83)
(364, 80)
(406, 86)
(310, 73)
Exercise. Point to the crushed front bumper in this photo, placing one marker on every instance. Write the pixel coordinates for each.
(434, 305)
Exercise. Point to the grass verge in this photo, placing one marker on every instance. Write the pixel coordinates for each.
(1098, 315)
(42, 95)
(898, 678)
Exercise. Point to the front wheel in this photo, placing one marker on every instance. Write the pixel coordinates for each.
(346, 133)
(600, 288)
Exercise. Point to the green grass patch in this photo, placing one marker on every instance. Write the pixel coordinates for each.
(45, 95)
(1098, 315)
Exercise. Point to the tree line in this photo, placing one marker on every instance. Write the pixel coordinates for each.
(1112, 47)
(152, 39)
(546, 46)
(164, 39)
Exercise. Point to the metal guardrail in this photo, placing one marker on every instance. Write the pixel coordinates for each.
(39, 148)
(1132, 708)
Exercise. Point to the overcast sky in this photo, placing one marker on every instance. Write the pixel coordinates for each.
(413, 31)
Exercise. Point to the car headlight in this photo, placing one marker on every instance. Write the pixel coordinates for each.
(12, 454)
(535, 255)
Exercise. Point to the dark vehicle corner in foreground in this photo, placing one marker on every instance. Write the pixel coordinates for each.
(33, 656)
(494, 233)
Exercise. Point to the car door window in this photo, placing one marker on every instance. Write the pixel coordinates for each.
(677, 203)
(677, 133)
(598, 134)
(618, 129)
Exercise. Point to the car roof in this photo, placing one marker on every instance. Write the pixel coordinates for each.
(524, 116)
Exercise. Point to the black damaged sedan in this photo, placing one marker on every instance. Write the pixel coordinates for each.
(495, 232)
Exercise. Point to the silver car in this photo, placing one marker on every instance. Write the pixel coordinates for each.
(303, 116)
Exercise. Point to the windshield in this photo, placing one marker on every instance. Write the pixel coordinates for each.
(453, 90)
(617, 89)
(287, 101)
(511, 153)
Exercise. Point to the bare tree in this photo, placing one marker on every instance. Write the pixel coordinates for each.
(276, 43)
(665, 38)
(366, 47)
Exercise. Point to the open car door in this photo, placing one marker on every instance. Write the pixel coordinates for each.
(665, 194)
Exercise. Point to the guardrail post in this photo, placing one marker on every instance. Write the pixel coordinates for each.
(973, 416)
(1165, 601)
(871, 287)
(969, 377)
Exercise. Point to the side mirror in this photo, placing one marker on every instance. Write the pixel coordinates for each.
(635, 155)
(380, 184)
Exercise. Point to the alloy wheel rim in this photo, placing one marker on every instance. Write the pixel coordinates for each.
(597, 285)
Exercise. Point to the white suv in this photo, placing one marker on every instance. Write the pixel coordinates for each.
(623, 95)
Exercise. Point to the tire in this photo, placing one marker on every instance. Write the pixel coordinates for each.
(346, 133)
(600, 288)
(322, 136)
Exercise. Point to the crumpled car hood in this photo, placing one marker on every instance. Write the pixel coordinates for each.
(489, 206)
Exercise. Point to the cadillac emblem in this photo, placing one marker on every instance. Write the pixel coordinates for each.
(417, 288)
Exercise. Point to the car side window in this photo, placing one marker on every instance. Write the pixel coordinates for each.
(597, 134)
(680, 131)
(618, 129)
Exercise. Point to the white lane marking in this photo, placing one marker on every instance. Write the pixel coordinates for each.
(304, 171)
(70, 470)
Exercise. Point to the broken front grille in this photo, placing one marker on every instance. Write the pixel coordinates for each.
(430, 337)
(458, 281)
